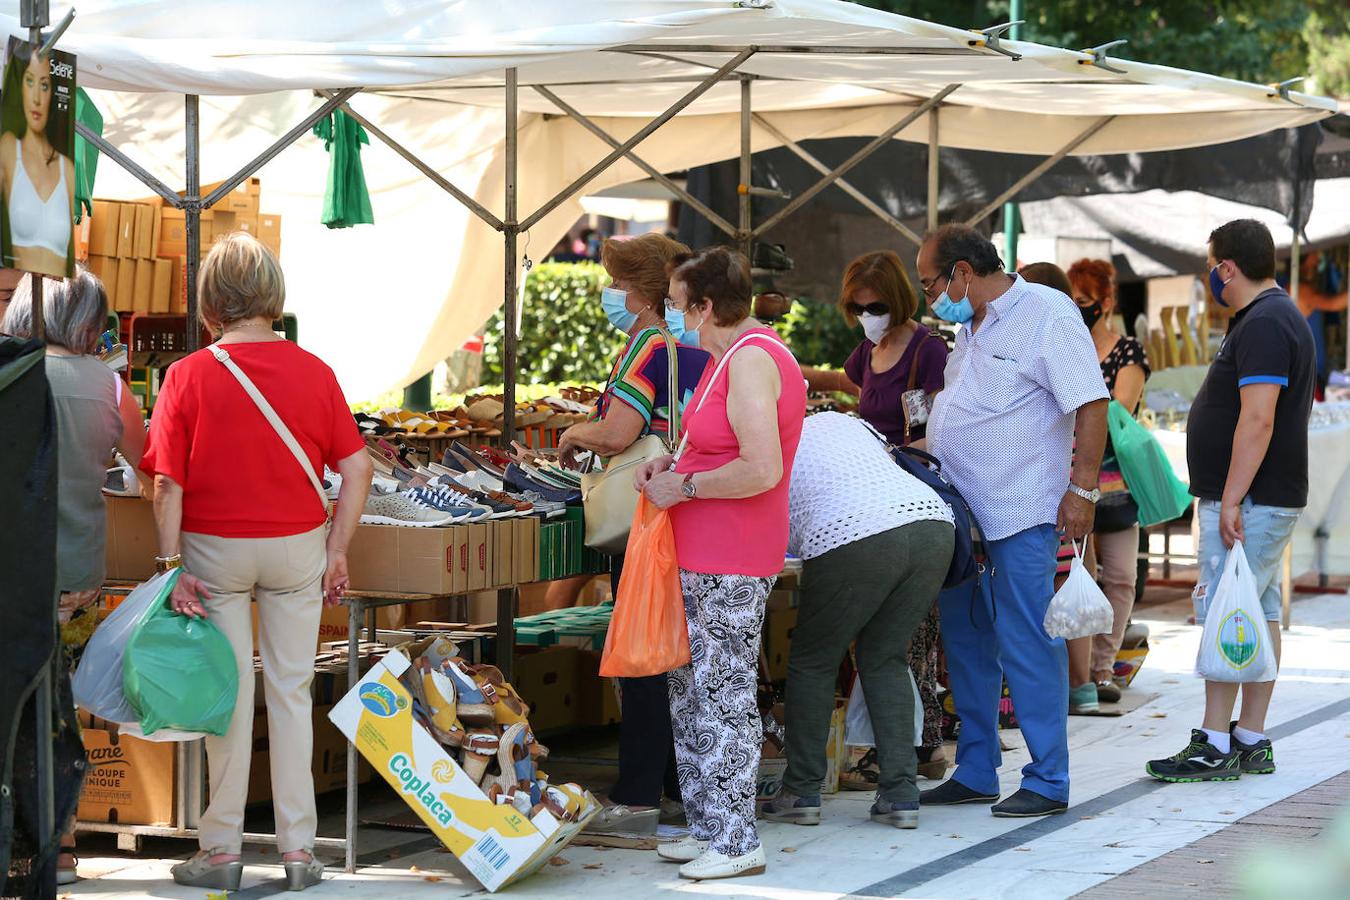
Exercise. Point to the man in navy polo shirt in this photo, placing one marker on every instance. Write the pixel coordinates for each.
(1247, 448)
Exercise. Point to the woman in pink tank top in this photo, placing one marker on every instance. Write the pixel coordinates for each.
(728, 498)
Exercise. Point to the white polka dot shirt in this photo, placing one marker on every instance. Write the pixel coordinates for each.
(1003, 424)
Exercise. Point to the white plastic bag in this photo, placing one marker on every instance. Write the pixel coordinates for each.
(97, 683)
(858, 722)
(1235, 645)
(1079, 608)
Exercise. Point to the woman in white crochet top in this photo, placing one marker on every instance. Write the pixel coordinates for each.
(875, 543)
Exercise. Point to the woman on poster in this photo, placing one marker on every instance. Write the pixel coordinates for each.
(37, 174)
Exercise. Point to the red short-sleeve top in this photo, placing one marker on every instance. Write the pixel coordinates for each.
(239, 480)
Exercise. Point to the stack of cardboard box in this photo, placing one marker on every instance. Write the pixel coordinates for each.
(122, 253)
(138, 249)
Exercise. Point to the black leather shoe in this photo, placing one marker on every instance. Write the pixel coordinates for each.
(1026, 804)
(952, 792)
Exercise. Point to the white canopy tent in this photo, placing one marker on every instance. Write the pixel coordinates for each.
(435, 76)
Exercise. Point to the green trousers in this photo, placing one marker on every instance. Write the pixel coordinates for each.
(876, 592)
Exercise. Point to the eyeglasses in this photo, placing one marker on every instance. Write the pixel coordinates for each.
(670, 305)
(929, 283)
(873, 309)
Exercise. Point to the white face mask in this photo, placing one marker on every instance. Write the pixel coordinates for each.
(875, 327)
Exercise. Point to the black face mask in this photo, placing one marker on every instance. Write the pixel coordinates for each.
(1091, 314)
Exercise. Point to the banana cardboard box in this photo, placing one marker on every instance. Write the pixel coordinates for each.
(497, 843)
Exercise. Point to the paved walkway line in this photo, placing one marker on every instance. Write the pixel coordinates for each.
(1209, 867)
(913, 878)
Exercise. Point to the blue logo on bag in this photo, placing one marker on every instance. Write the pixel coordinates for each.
(1239, 639)
(380, 700)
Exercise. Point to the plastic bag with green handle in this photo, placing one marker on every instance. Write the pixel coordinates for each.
(1160, 494)
(180, 673)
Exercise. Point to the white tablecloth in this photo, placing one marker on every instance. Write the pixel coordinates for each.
(1328, 512)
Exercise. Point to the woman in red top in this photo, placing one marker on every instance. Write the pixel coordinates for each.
(236, 510)
(728, 496)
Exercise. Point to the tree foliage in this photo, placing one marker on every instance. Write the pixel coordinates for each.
(564, 335)
(1254, 40)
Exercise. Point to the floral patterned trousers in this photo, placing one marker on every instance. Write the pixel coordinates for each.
(713, 712)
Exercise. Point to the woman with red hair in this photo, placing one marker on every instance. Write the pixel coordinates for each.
(1116, 530)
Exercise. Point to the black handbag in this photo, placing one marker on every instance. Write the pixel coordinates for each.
(1116, 511)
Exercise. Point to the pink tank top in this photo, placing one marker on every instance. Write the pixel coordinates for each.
(747, 536)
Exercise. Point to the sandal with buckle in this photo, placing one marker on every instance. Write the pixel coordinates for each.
(475, 701)
(480, 748)
(301, 874)
(199, 871)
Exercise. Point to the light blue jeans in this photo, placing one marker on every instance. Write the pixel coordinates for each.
(1267, 530)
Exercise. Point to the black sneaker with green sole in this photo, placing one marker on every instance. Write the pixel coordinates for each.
(1200, 761)
(1254, 759)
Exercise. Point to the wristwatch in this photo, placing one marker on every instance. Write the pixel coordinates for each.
(168, 563)
(1091, 496)
(688, 488)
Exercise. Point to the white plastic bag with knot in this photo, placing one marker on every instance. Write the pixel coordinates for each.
(1235, 645)
(1079, 608)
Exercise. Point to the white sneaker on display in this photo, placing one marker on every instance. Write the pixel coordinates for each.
(682, 851)
(717, 865)
(478, 481)
(121, 480)
(400, 509)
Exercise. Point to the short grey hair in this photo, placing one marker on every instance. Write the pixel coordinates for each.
(74, 311)
(240, 279)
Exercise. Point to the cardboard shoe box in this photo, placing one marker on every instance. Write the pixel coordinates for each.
(243, 199)
(132, 541)
(129, 781)
(103, 226)
(495, 842)
(269, 232)
(410, 560)
(549, 681)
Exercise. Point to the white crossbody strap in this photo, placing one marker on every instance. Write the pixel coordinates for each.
(713, 381)
(274, 420)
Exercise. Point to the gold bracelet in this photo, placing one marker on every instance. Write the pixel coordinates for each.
(168, 563)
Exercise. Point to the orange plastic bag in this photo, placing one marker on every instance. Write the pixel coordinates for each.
(648, 634)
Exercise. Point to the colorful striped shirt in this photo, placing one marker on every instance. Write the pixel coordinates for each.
(641, 379)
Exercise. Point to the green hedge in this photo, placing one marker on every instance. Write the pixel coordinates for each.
(565, 337)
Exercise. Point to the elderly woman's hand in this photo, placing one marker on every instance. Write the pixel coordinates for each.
(188, 594)
(567, 449)
(648, 470)
(664, 489)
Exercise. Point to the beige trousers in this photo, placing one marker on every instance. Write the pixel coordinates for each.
(285, 575)
(1117, 557)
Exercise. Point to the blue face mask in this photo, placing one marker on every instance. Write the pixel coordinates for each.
(675, 322)
(956, 311)
(1216, 285)
(614, 302)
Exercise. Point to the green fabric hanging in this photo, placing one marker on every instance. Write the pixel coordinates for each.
(346, 202)
(86, 154)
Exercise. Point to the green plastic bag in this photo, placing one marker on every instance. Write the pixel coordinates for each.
(180, 673)
(1160, 494)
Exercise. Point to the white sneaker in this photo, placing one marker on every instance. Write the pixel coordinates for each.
(400, 509)
(682, 851)
(716, 865)
(478, 481)
(121, 480)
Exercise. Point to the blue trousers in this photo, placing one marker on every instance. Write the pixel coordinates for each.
(983, 648)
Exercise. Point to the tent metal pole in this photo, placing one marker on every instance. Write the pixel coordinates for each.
(872, 206)
(1040, 170)
(680, 193)
(706, 85)
(282, 143)
(872, 146)
(745, 207)
(126, 162)
(934, 159)
(192, 213)
(506, 631)
(797, 48)
(444, 184)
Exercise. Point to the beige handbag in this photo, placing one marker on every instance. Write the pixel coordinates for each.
(608, 495)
